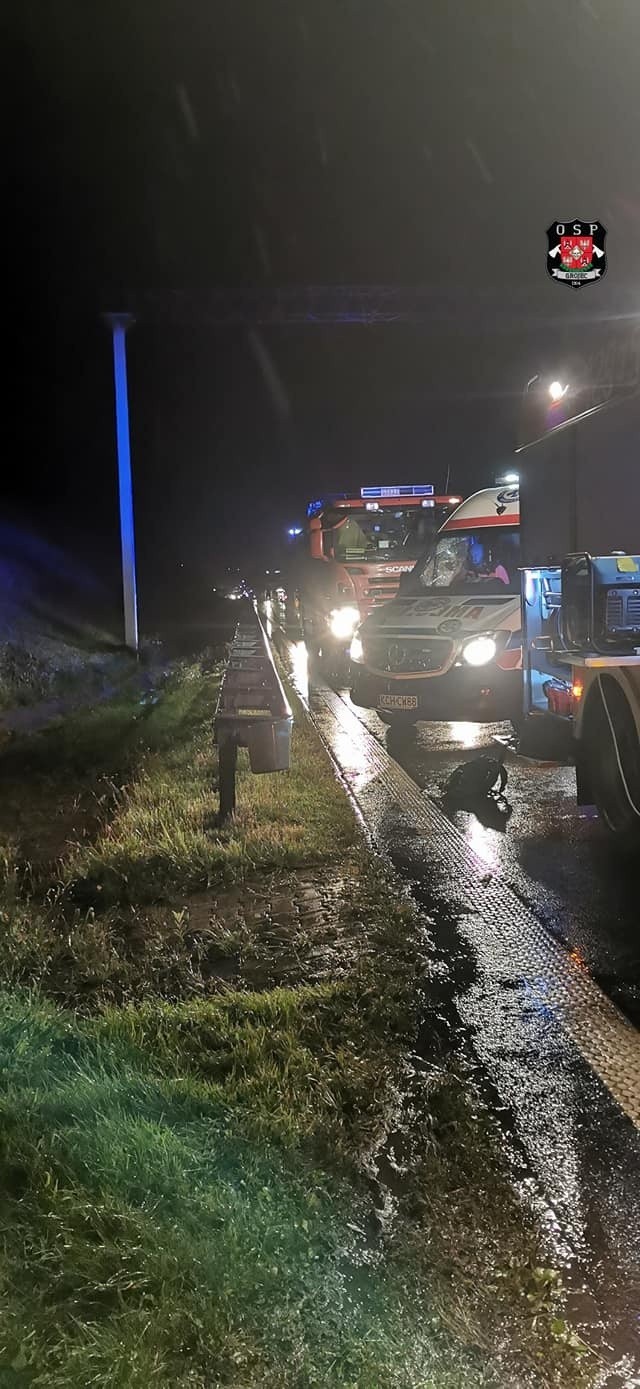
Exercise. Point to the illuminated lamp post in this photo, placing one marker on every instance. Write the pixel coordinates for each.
(119, 322)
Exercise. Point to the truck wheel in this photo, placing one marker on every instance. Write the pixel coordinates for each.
(613, 759)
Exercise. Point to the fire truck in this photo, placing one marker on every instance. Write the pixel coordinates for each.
(353, 554)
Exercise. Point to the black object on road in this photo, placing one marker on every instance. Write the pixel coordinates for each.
(483, 777)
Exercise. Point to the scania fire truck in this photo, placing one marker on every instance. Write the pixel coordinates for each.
(353, 554)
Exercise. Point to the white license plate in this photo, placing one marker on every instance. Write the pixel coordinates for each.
(391, 701)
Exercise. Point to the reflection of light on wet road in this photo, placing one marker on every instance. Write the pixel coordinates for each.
(516, 1033)
(299, 665)
(483, 841)
(267, 616)
(468, 735)
(351, 749)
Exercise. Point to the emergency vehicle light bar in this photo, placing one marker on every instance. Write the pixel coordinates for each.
(314, 507)
(416, 489)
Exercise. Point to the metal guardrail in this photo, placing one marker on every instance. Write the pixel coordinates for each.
(253, 711)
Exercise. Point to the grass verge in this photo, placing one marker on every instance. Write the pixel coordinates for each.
(191, 1186)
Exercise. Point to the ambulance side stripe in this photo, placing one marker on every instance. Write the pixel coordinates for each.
(472, 523)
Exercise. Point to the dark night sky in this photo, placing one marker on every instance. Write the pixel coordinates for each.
(211, 143)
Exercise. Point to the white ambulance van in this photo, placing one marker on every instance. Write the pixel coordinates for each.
(449, 646)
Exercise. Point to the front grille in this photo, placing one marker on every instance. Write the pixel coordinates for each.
(412, 655)
(615, 609)
(622, 611)
(383, 589)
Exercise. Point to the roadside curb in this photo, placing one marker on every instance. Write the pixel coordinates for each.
(559, 984)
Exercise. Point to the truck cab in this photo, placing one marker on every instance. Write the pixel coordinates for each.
(353, 554)
(581, 605)
(449, 645)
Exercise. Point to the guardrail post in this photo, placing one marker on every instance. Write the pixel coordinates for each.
(227, 761)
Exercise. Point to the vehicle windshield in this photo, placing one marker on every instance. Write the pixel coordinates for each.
(381, 535)
(485, 559)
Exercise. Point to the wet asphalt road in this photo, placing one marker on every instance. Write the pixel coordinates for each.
(573, 1150)
(558, 860)
(555, 856)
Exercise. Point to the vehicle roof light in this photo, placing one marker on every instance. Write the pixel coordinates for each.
(371, 506)
(415, 489)
(454, 501)
(330, 500)
(427, 502)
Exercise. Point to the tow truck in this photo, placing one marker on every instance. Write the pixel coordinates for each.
(353, 554)
(580, 533)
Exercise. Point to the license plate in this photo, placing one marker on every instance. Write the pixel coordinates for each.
(391, 701)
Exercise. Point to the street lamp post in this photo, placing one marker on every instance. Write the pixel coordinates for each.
(119, 322)
(555, 392)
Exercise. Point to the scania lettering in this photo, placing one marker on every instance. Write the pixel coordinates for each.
(449, 645)
(353, 554)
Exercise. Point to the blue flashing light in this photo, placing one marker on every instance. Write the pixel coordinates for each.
(332, 497)
(415, 489)
(294, 530)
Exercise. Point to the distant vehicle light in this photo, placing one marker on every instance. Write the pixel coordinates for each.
(577, 689)
(557, 391)
(343, 622)
(294, 530)
(479, 651)
(356, 650)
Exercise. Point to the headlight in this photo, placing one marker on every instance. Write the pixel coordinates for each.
(356, 650)
(343, 622)
(479, 651)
